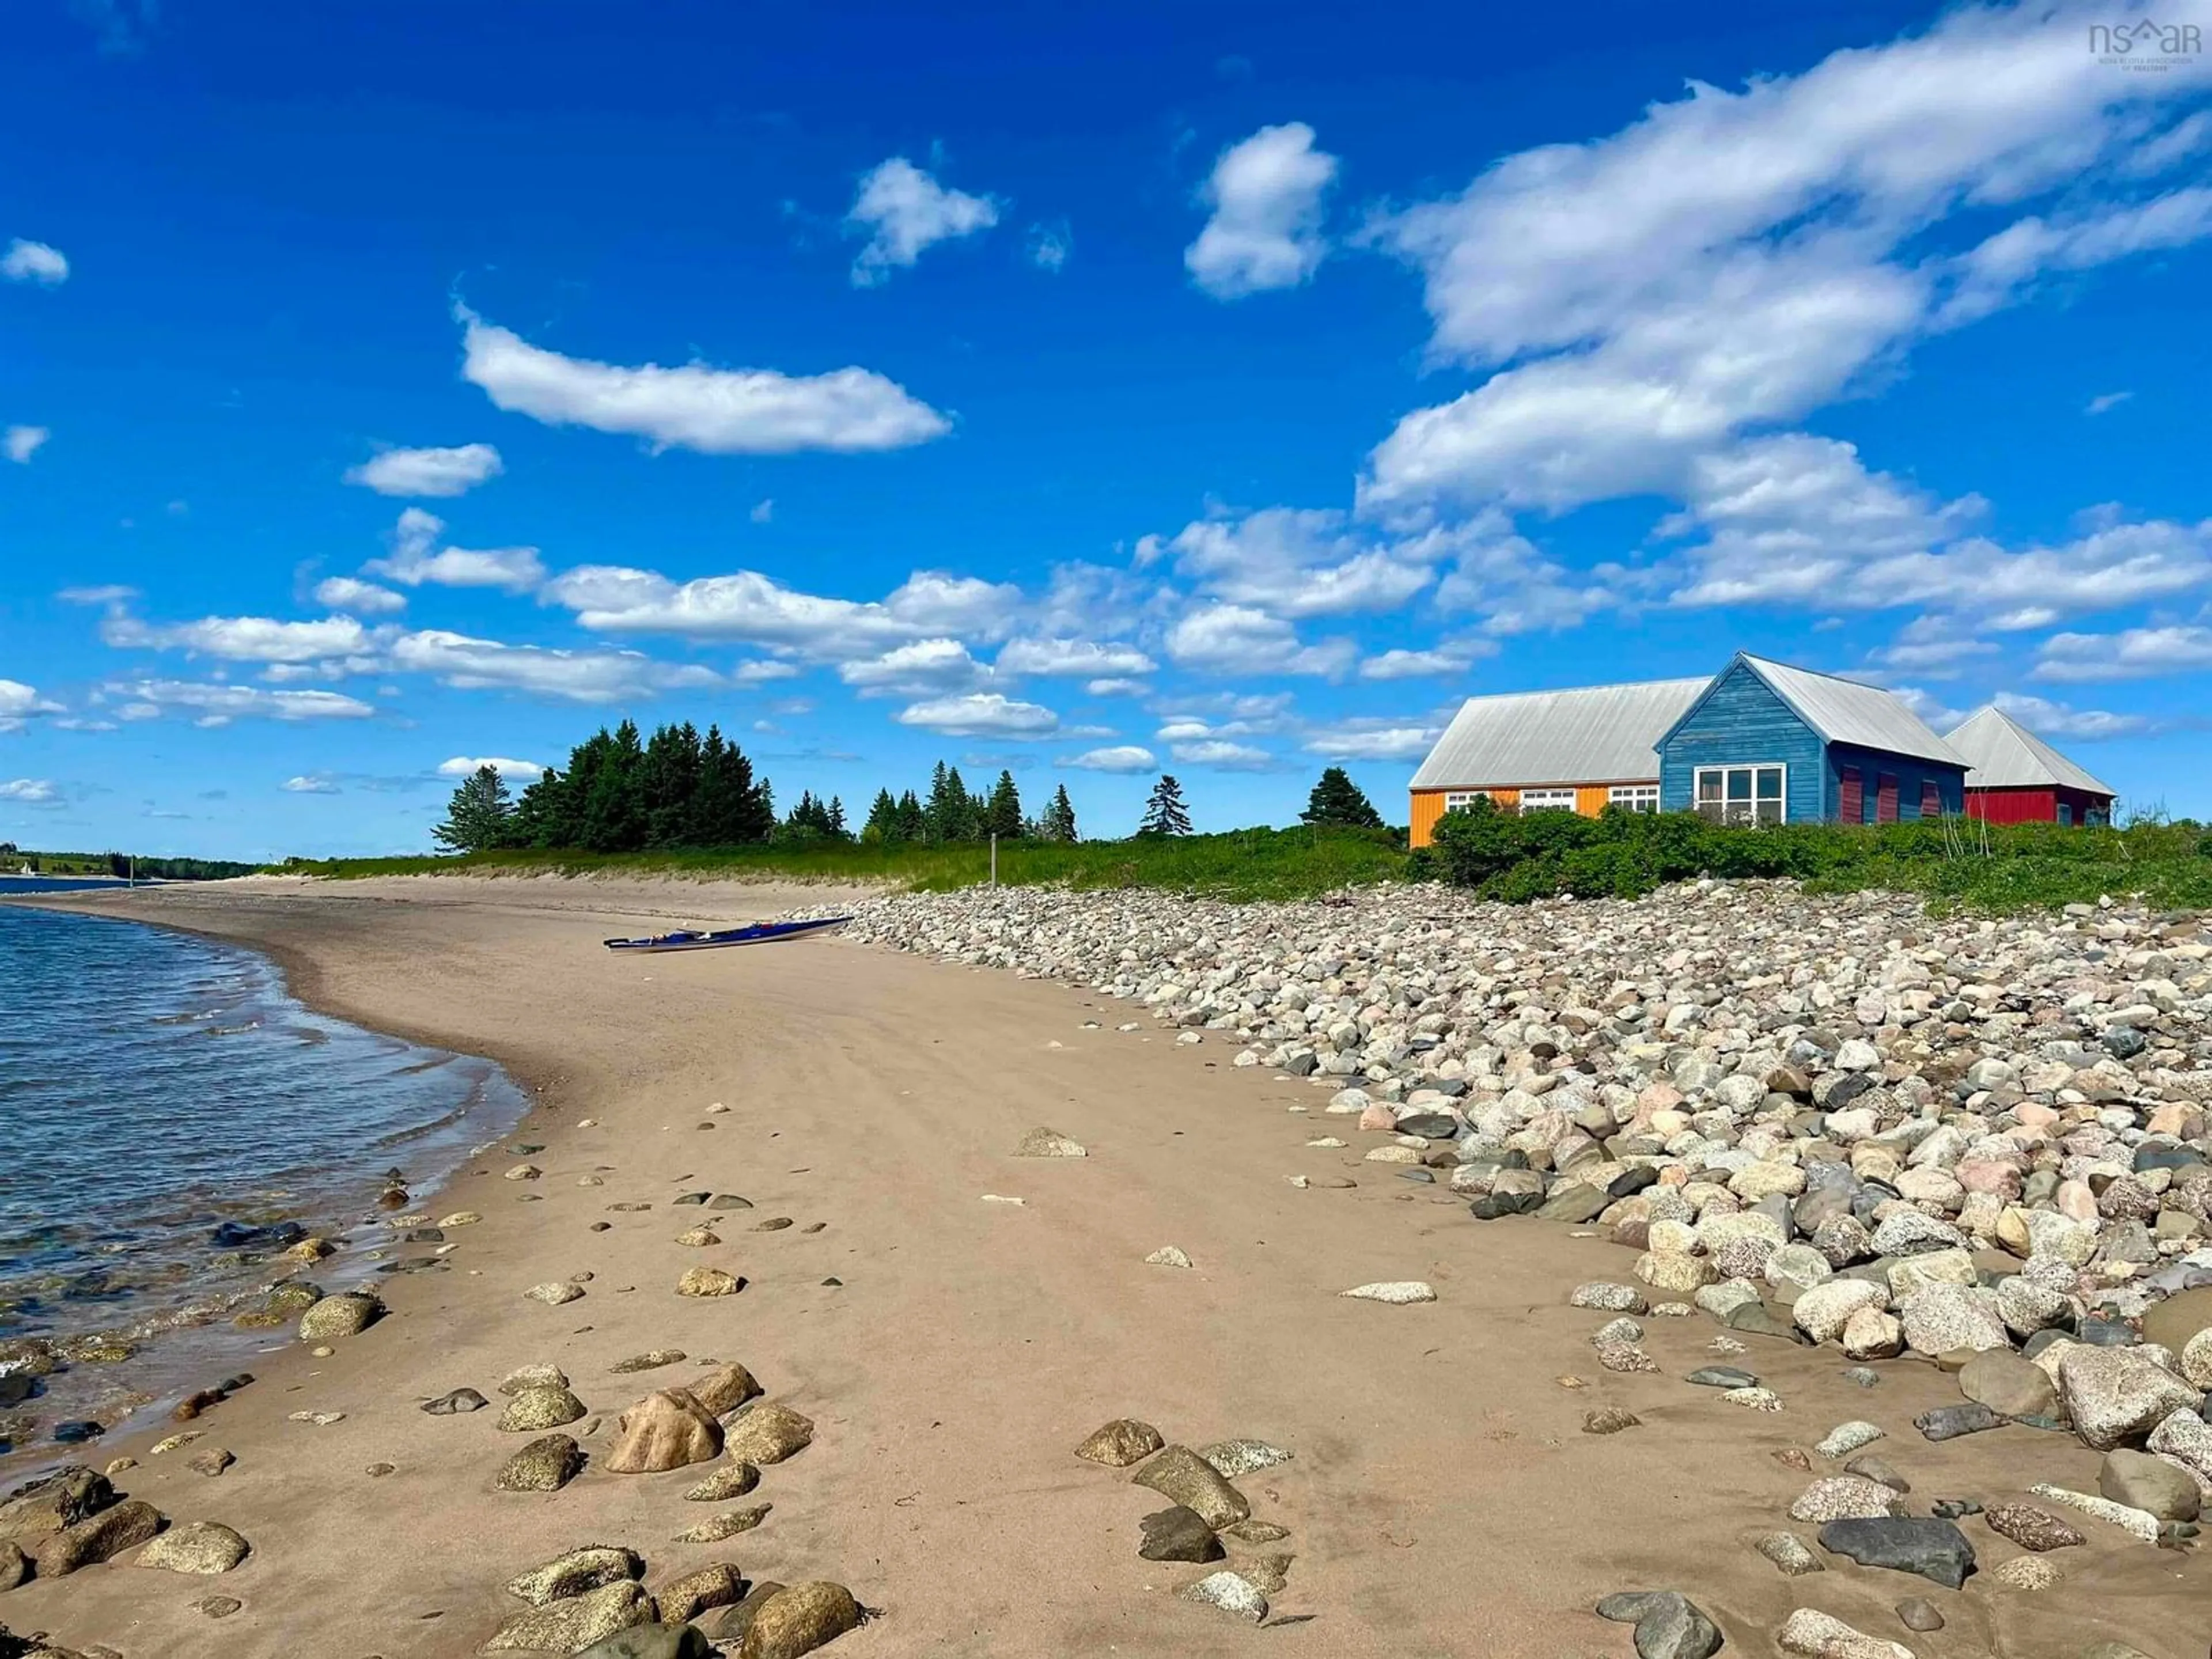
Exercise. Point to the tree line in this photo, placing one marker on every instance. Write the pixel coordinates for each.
(623, 793)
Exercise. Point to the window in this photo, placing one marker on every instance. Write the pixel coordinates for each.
(1885, 799)
(1741, 794)
(2096, 818)
(1547, 800)
(2066, 814)
(1634, 797)
(1931, 799)
(1457, 800)
(1851, 807)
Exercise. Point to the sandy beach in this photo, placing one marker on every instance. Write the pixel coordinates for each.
(1443, 1498)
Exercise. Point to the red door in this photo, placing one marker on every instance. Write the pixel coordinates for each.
(1852, 807)
(1931, 800)
(1885, 810)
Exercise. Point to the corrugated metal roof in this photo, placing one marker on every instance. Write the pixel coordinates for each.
(1845, 711)
(2005, 755)
(1590, 735)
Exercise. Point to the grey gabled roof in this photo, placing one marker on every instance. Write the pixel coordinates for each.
(1589, 734)
(2005, 755)
(1845, 711)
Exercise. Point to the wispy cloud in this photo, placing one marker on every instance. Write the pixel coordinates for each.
(902, 210)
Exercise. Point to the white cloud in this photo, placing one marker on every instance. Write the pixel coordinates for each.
(902, 211)
(1049, 244)
(514, 771)
(1372, 741)
(217, 705)
(925, 668)
(22, 442)
(416, 558)
(1125, 758)
(718, 411)
(761, 670)
(30, 792)
(1295, 561)
(981, 715)
(475, 664)
(241, 639)
(362, 599)
(429, 471)
(19, 703)
(1061, 657)
(749, 606)
(2105, 402)
(1230, 639)
(1741, 258)
(764, 510)
(312, 784)
(1265, 229)
(2130, 653)
(1453, 657)
(1799, 519)
(1934, 713)
(2059, 719)
(1223, 755)
(112, 593)
(76, 723)
(1932, 646)
(34, 262)
(1111, 687)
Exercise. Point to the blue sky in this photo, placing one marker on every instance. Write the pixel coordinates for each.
(1213, 388)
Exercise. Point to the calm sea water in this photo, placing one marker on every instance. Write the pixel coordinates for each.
(154, 1086)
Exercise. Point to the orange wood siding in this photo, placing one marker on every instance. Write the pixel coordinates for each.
(1428, 804)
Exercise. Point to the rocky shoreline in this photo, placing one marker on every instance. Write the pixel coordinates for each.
(1836, 1123)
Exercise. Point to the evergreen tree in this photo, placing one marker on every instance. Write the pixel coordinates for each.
(1059, 821)
(953, 813)
(476, 817)
(837, 820)
(613, 811)
(1164, 812)
(669, 782)
(913, 818)
(1002, 816)
(883, 824)
(1336, 799)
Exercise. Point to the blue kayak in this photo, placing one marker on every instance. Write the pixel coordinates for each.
(761, 933)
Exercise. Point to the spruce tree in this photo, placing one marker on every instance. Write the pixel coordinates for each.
(1164, 812)
(913, 818)
(1058, 824)
(883, 824)
(1337, 801)
(1002, 816)
(835, 821)
(476, 817)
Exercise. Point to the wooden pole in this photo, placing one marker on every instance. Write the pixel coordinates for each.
(994, 858)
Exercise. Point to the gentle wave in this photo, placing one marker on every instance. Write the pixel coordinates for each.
(127, 1135)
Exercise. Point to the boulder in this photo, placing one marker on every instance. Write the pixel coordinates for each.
(1822, 1635)
(1182, 1476)
(2031, 1527)
(201, 1546)
(1823, 1311)
(2007, 1384)
(2115, 1396)
(798, 1620)
(546, 1464)
(667, 1430)
(1668, 1624)
(709, 1281)
(579, 1573)
(347, 1314)
(575, 1622)
(1935, 1550)
(2172, 1322)
(1176, 1533)
(109, 1533)
(1120, 1443)
(2144, 1482)
(724, 1388)
(69, 1495)
(661, 1641)
(764, 1434)
(532, 1409)
(720, 1585)
(1950, 1318)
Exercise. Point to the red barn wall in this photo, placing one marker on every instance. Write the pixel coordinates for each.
(2013, 805)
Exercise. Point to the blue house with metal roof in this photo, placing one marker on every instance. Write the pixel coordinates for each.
(1765, 742)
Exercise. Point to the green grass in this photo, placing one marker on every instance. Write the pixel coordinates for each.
(1244, 864)
(1953, 864)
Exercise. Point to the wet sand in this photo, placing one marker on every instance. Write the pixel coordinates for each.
(1443, 1500)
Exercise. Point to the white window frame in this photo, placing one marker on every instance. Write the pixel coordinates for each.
(1634, 797)
(1782, 800)
(1458, 799)
(1547, 800)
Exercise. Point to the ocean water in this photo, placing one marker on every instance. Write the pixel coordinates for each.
(155, 1086)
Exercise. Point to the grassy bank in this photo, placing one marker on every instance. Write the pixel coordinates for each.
(1991, 868)
(1244, 864)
